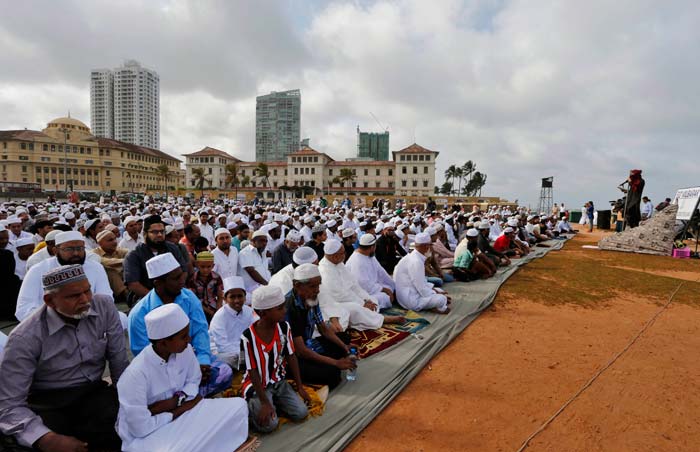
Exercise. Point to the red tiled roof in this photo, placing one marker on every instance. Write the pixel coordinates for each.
(415, 149)
(207, 151)
(134, 148)
(306, 150)
(363, 163)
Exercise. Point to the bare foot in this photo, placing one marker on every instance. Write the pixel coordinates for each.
(394, 319)
(435, 310)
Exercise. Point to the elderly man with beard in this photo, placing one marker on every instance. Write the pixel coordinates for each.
(341, 292)
(324, 355)
(70, 250)
(168, 281)
(412, 290)
(112, 259)
(135, 274)
(370, 274)
(52, 396)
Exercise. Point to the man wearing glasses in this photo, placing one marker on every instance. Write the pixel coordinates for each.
(70, 250)
(135, 273)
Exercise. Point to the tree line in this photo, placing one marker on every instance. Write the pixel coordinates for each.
(462, 180)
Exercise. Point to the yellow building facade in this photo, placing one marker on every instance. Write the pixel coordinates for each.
(65, 155)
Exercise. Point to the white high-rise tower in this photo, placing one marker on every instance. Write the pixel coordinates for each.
(125, 104)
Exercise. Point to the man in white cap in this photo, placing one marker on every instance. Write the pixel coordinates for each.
(46, 252)
(485, 247)
(282, 256)
(23, 249)
(168, 282)
(268, 348)
(14, 226)
(318, 239)
(205, 229)
(306, 229)
(253, 263)
(162, 384)
(340, 291)
(369, 273)
(349, 239)
(321, 350)
(412, 290)
(70, 249)
(131, 233)
(225, 255)
(283, 278)
(230, 322)
(52, 395)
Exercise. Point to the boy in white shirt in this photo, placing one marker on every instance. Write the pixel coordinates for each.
(230, 322)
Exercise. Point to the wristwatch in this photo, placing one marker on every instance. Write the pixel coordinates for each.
(181, 397)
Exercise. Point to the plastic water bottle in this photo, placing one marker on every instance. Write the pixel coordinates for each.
(351, 374)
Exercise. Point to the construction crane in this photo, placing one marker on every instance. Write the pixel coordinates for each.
(386, 129)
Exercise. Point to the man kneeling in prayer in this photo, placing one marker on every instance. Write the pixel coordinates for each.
(159, 403)
(322, 352)
(269, 349)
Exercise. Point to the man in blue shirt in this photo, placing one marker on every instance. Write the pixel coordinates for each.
(168, 281)
(320, 358)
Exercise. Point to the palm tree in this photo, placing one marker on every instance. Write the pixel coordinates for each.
(198, 179)
(232, 180)
(346, 175)
(467, 169)
(245, 181)
(450, 173)
(263, 172)
(446, 188)
(459, 174)
(163, 172)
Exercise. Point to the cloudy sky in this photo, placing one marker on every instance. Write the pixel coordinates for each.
(583, 91)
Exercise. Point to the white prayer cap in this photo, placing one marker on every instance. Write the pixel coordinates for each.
(305, 272)
(220, 231)
(24, 242)
(318, 228)
(233, 282)
(90, 223)
(160, 265)
(267, 297)
(348, 232)
(304, 255)
(423, 238)
(309, 220)
(168, 230)
(508, 230)
(332, 246)
(70, 236)
(331, 223)
(472, 232)
(165, 320)
(438, 227)
(13, 220)
(69, 215)
(279, 218)
(484, 225)
(379, 227)
(367, 240)
(51, 236)
(294, 236)
(259, 233)
(130, 219)
(431, 231)
(363, 224)
(512, 222)
(179, 225)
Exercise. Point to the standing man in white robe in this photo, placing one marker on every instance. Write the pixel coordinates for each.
(341, 292)
(369, 273)
(412, 290)
(159, 403)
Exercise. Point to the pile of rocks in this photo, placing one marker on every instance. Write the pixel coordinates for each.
(653, 237)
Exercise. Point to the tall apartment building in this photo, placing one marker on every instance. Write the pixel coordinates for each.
(125, 104)
(373, 146)
(277, 125)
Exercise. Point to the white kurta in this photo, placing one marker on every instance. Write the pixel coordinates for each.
(128, 243)
(249, 257)
(284, 279)
(342, 297)
(305, 233)
(31, 294)
(225, 332)
(37, 257)
(214, 425)
(412, 290)
(372, 277)
(224, 265)
(20, 267)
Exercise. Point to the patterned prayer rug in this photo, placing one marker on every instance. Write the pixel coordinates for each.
(371, 342)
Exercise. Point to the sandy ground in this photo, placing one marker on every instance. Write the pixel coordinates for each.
(552, 326)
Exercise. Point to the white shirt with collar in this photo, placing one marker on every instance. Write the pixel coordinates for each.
(226, 328)
(249, 257)
(224, 265)
(130, 244)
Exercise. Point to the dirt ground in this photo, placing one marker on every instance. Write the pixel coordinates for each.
(553, 325)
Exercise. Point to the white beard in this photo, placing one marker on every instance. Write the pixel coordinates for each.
(80, 316)
(311, 302)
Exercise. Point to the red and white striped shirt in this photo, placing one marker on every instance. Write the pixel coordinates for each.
(270, 360)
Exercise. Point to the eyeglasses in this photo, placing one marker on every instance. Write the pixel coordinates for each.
(73, 249)
(157, 231)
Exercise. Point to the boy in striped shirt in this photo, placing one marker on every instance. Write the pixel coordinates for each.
(268, 348)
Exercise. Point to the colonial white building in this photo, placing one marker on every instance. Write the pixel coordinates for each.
(410, 173)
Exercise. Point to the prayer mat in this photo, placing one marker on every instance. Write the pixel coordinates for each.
(414, 322)
(371, 342)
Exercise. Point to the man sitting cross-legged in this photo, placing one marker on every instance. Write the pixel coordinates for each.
(52, 396)
(412, 290)
(340, 292)
(370, 274)
(162, 384)
(322, 353)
